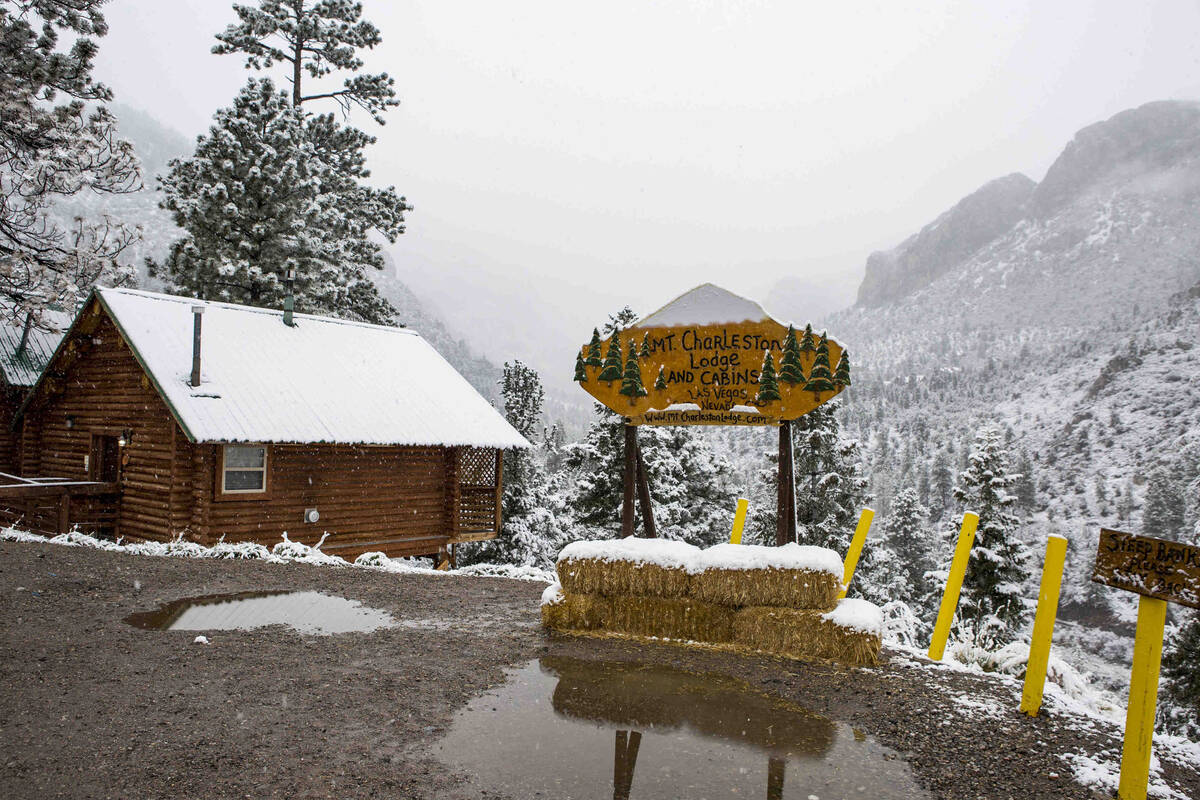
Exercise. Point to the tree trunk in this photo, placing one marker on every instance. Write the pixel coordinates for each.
(785, 521)
(649, 529)
(630, 478)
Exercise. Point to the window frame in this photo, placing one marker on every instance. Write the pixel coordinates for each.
(223, 471)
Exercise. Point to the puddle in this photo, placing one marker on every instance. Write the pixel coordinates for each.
(570, 728)
(306, 612)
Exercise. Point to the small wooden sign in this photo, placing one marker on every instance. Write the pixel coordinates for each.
(1152, 567)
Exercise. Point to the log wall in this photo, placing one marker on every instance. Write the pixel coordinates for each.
(101, 390)
(10, 400)
(392, 499)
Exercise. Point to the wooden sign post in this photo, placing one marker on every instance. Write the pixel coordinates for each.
(1161, 572)
(710, 357)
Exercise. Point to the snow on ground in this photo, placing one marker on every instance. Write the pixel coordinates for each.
(283, 552)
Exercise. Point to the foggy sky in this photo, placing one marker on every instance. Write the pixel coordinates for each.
(580, 156)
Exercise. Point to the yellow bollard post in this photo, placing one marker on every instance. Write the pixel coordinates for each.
(958, 570)
(1043, 625)
(739, 520)
(856, 547)
(1143, 696)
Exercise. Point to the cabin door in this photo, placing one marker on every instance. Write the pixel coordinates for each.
(105, 465)
(106, 458)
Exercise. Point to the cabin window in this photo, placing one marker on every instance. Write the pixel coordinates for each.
(244, 470)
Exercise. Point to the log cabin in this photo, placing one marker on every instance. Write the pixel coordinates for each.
(25, 349)
(218, 421)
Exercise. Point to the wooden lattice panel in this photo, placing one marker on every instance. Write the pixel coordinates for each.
(478, 467)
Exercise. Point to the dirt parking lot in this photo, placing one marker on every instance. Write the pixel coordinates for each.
(91, 707)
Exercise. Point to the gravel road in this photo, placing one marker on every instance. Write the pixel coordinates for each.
(91, 707)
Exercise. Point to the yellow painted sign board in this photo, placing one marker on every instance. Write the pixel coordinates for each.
(712, 358)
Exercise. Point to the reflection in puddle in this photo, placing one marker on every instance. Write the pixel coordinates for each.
(557, 728)
(307, 612)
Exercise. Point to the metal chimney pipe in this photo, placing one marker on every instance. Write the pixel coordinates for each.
(289, 298)
(197, 315)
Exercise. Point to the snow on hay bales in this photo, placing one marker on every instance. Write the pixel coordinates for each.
(792, 576)
(850, 633)
(627, 567)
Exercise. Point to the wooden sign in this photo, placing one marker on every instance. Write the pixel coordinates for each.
(1152, 567)
(710, 357)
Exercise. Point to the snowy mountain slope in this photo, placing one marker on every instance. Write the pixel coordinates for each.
(1074, 329)
(973, 222)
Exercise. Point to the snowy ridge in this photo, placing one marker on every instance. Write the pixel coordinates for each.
(321, 380)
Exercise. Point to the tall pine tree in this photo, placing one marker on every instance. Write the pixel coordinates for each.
(323, 226)
(830, 487)
(993, 601)
(531, 532)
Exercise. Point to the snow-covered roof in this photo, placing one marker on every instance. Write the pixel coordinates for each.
(21, 366)
(707, 304)
(321, 380)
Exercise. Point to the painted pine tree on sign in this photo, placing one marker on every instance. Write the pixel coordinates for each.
(790, 371)
(613, 367)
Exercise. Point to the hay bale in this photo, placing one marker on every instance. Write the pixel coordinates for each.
(805, 633)
(662, 617)
(629, 567)
(669, 618)
(792, 576)
(576, 612)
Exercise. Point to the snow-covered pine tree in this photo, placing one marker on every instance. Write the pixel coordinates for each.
(313, 38)
(907, 535)
(645, 351)
(830, 487)
(768, 384)
(49, 152)
(689, 481)
(531, 533)
(580, 370)
(1179, 711)
(327, 235)
(790, 370)
(1163, 512)
(613, 366)
(992, 602)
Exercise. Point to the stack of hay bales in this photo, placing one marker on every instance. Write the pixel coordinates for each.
(776, 599)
